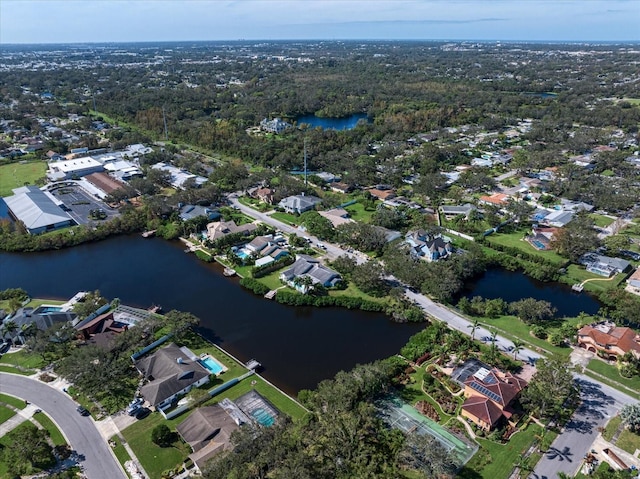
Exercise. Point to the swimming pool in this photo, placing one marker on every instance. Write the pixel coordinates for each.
(47, 309)
(263, 417)
(242, 254)
(538, 244)
(212, 365)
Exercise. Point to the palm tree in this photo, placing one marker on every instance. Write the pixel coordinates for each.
(8, 327)
(517, 347)
(303, 283)
(474, 326)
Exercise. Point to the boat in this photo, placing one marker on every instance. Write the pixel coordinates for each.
(229, 272)
(252, 364)
(149, 234)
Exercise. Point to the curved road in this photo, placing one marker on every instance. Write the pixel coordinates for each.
(81, 432)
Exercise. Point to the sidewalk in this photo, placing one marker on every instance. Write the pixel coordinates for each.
(21, 416)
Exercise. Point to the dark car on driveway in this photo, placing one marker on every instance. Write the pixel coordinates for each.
(142, 413)
(82, 411)
(4, 347)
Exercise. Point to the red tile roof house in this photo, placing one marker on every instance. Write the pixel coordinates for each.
(497, 199)
(490, 395)
(382, 194)
(609, 340)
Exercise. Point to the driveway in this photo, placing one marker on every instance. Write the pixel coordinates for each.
(598, 404)
(80, 432)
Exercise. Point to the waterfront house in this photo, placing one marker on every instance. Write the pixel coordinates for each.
(311, 267)
(100, 330)
(188, 212)
(604, 265)
(609, 340)
(490, 393)
(208, 431)
(171, 371)
(220, 229)
(41, 318)
(298, 204)
(558, 218)
(276, 125)
(541, 237)
(428, 246)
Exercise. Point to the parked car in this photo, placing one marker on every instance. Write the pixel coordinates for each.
(142, 413)
(625, 253)
(134, 406)
(82, 411)
(4, 347)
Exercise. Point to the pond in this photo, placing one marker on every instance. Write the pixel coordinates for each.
(344, 123)
(515, 285)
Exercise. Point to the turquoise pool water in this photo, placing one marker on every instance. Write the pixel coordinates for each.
(47, 309)
(212, 365)
(263, 417)
(242, 254)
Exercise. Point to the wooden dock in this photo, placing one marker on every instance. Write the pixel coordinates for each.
(229, 272)
(271, 294)
(578, 287)
(252, 364)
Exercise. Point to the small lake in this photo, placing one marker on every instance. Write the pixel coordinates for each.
(514, 285)
(345, 123)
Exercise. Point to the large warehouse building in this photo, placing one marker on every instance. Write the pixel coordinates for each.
(67, 169)
(38, 210)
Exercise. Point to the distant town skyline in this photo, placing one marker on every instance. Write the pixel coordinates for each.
(84, 21)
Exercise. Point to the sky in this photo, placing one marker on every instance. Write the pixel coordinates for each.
(81, 21)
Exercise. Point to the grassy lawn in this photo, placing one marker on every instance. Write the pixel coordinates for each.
(14, 370)
(199, 345)
(254, 204)
(412, 393)
(15, 175)
(500, 457)
(601, 221)
(11, 401)
(22, 359)
(54, 433)
(121, 453)
(155, 459)
(34, 303)
(6, 413)
(358, 213)
(512, 328)
(272, 280)
(242, 271)
(286, 218)
(611, 372)
(628, 441)
(577, 274)
(353, 291)
(514, 240)
(283, 403)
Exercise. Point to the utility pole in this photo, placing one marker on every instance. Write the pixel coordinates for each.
(94, 103)
(305, 162)
(164, 120)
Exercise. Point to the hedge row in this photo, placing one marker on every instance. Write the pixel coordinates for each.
(265, 269)
(254, 285)
(296, 299)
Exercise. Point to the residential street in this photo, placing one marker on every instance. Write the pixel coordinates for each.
(81, 432)
(599, 401)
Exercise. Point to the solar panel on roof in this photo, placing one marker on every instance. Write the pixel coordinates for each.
(482, 390)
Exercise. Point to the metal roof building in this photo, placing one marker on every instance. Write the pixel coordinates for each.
(37, 210)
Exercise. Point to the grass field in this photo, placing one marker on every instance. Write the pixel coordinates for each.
(15, 175)
(22, 359)
(121, 453)
(514, 240)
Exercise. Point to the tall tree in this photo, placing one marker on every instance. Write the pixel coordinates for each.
(551, 386)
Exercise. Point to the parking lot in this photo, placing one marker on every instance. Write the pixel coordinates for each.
(80, 203)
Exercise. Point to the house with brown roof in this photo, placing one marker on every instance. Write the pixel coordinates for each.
(337, 216)
(340, 187)
(609, 340)
(100, 330)
(208, 431)
(266, 195)
(382, 194)
(490, 394)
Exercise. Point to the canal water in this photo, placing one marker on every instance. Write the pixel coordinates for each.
(297, 346)
(345, 123)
